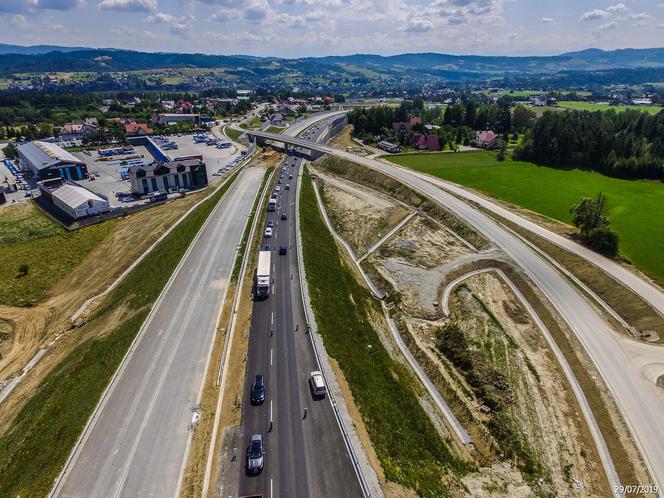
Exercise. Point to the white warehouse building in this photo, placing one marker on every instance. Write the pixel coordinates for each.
(78, 202)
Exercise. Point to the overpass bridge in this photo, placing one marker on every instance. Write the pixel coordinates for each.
(307, 149)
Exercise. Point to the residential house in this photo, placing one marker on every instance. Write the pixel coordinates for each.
(425, 142)
(488, 140)
(137, 129)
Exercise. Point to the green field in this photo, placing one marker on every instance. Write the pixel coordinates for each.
(29, 237)
(589, 106)
(552, 191)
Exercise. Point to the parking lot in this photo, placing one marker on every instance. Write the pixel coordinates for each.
(106, 176)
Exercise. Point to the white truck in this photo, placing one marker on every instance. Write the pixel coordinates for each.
(272, 205)
(262, 279)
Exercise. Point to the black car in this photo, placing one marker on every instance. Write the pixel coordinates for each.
(258, 390)
(270, 223)
(284, 216)
(283, 249)
(267, 247)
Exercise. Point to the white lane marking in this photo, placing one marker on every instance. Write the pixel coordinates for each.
(272, 318)
(270, 356)
(271, 495)
(271, 419)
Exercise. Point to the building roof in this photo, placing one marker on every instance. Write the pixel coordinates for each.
(75, 196)
(135, 127)
(43, 155)
(485, 136)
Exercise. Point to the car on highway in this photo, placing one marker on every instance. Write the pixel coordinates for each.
(267, 247)
(258, 390)
(283, 249)
(270, 223)
(284, 216)
(288, 186)
(255, 454)
(268, 232)
(277, 189)
(317, 384)
(290, 177)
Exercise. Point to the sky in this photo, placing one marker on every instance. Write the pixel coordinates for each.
(297, 28)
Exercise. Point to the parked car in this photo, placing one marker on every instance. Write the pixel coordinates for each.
(258, 389)
(255, 454)
(317, 384)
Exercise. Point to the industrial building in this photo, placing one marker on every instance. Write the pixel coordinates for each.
(172, 118)
(47, 160)
(168, 176)
(75, 201)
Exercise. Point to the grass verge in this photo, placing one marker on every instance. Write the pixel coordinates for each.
(36, 446)
(231, 133)
(406, 442)
(30, 240)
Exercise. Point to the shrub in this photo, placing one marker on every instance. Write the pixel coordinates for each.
(604, 241)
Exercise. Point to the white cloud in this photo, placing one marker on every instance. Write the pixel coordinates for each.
(608, 26)
(619, 7)
(594, 14)
(641, 16)
(176, 25)
(548, 20)
(129, 5)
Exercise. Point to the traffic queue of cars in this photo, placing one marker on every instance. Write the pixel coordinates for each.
(255, 456)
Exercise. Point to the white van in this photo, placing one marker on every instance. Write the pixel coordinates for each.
(317, 384)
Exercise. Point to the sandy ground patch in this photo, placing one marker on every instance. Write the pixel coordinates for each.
(541, 404)
(359, 215)
(417, 260)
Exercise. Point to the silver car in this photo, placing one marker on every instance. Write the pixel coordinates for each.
(255, 454)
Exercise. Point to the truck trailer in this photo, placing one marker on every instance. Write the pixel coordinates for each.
(262, 278)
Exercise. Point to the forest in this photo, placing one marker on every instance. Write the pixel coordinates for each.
(627, 144)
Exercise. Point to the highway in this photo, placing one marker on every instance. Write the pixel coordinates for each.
(305, 456)
(137, 442)
(640, 401)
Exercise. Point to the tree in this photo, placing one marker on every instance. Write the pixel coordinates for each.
(588, 214)
(10, 151)
(522, 119)
(589, 217)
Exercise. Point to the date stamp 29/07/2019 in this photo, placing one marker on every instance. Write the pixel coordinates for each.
(641, 489)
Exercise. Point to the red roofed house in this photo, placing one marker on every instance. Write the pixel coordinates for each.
(414, 121)
(487, 139)
(433, 143)
(418, 142)
(425, 142)
(137, 129)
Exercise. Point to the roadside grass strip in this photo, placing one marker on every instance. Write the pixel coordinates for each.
(410, 449)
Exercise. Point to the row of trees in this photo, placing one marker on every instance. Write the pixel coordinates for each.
(627, 144)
